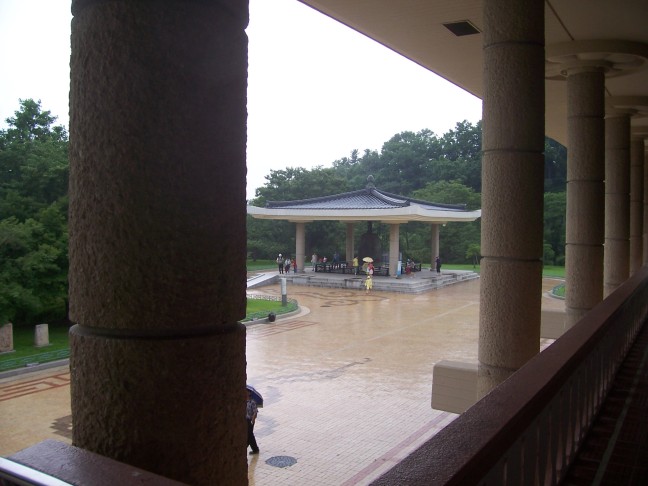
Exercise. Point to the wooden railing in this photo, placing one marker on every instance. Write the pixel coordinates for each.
(529, 428)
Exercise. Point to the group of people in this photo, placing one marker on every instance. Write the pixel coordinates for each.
(286, 264)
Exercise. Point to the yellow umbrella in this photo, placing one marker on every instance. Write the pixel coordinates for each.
(367, 259)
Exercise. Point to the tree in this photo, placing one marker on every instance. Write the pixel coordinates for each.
(555, 206)
(33, 216)
(455, 238)
(555, 156)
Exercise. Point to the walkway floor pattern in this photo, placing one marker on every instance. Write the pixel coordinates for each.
(347, 383)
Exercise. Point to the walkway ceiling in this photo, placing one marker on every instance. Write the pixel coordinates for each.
(415, 29)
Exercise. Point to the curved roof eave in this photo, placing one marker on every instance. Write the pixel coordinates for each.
(402, 214)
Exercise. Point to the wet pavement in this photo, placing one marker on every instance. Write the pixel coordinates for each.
(347, 382)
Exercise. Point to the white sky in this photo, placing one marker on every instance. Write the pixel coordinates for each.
(316, 89)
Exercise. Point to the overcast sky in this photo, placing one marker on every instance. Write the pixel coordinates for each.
(317, 89)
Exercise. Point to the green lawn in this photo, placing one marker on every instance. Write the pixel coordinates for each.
(25, 352)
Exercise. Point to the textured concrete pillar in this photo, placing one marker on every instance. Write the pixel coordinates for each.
(300, 245)
(585, 192)
(349, 242)
(616, 268)
(636, 203)
(434, 243)
(157, 235)
(512, 188)
(645, 207)
(394, 248)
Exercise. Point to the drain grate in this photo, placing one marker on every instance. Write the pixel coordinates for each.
(281, 461)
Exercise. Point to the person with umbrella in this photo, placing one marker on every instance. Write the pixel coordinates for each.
(251, 412)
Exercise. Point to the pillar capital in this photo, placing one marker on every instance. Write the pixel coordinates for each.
(613, 57)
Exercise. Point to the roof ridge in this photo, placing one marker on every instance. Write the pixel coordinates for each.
(427, 203)
(295, 202)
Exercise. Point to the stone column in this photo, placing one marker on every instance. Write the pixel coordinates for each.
(617, 201)
(512, 188)
(300, 245)
(394, 247)
(585, 192)
(350, 251)
(157, 235)
(636, 203)
(645, 206)
(434, 245)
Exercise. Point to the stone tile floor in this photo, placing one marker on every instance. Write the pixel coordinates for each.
(347, 383)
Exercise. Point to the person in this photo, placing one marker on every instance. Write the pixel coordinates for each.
(336, 259)
(314, 260)
(280, 262)
(294, 265)
(370, 268)
(356, 268)
(287, 265)
(251, 411)
(437, 262)
(369, 282)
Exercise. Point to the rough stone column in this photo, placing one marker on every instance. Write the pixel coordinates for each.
(636, 202)
(300, 245)
(434, 245)
(585, 192)
(512, 188)
(645, 206)
(157, 235)
(349, 242)
(616, 267)
(394, 248)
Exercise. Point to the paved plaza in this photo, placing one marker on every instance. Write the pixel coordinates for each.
(347, 382)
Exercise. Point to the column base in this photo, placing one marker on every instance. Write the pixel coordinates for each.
(169, 405)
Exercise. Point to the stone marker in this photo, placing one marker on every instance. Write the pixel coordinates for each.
(41, 335)
(6, 338)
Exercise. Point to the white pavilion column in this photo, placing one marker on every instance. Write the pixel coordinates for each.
(300, 245)
(394, 247)
(636, 202)
(434, 242)
(512, 191)
(349, 242)
(616, 267)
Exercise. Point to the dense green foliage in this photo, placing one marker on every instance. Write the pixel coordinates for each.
(33, 217)
(421, 165)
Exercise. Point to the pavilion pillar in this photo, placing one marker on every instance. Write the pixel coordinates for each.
(434, 243)
(300, 245)
(512, 190)
(394, 248)
(616, 260)
(350, 251)
(157, 235)
(636, 202)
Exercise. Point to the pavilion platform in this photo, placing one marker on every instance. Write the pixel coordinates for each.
(414, 283)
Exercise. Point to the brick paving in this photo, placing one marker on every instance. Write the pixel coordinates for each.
(347, 383)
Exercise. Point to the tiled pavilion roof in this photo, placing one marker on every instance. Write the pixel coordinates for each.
(369, 204)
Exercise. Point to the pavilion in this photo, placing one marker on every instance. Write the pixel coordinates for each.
(369, 204)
